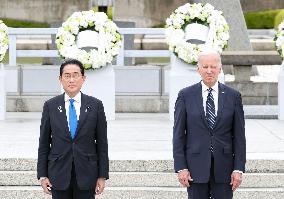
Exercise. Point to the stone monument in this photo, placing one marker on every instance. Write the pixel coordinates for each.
(239, 40)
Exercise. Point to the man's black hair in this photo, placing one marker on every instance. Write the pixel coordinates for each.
(74, 62)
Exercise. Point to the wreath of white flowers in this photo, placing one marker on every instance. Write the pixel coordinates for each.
(108, 37)
(218, 35)
(279, 39)
(3, 40)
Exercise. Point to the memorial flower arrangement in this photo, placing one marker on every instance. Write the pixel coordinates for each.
(279, 39)
(204, 14)
(108, 39)
(3, 40)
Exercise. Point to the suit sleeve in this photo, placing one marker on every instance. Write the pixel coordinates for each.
(179, 134)
(44, 143)
(239, 139)
(102, 143)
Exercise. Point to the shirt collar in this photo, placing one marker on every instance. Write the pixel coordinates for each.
(77, 97)
(205, 88)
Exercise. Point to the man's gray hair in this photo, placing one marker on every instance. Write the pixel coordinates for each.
(208, 53)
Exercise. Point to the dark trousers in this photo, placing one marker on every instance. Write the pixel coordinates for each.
(73, 191)
(210, 190)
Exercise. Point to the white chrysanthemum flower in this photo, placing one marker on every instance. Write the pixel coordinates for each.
(109, 38)
(188, 13)
(3, 40)
(279, 39)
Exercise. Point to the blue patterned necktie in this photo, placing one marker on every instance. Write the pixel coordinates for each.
(210, 110)
(73, 123)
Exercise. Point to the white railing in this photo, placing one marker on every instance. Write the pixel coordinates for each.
(14, 52)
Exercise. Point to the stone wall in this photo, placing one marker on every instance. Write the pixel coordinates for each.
(145, 13)
(49, 11)
(258, 5)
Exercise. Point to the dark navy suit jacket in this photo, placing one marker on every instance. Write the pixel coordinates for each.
(192, 138)
(88, 150)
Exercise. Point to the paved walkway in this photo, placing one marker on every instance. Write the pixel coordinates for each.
(137, 136)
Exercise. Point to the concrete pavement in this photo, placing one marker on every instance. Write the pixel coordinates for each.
(137, 136)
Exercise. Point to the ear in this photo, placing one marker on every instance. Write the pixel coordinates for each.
(60, 79)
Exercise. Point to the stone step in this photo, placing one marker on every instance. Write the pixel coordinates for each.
(32, 192)
(252, 166)
(144, 179)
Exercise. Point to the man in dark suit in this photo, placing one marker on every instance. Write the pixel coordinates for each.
(73, 150)
(209, 145)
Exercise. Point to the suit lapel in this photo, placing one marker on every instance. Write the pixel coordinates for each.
(199, 100)
(84, 110)
(61, 114)
(221, 101)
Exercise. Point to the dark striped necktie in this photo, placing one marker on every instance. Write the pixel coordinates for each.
(210, 109)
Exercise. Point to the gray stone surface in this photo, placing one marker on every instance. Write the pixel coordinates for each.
(143, 104)
(145, 13)
(263, 44)
(127, 39)
(246, 58)
(141, 162)
(257, 5)
(41, 10)
(31, 192)
(137, 137)
(144, 179)
(260, 163)
(234, 16)
(254, 93)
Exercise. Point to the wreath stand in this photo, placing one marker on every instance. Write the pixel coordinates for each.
(281, 93)
(2, 93)
(101, 84)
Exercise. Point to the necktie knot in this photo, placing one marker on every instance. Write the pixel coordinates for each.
(210, 90)
(71, 101)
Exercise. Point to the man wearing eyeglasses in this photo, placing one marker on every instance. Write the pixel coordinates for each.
(73, 150)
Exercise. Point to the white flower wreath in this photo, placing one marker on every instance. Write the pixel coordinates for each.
(279, 39)
(218, 35)
(3, 40)
(109, 39)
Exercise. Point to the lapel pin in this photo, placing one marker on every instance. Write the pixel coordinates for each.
(87, 109)
(223, 92)
(60, 108)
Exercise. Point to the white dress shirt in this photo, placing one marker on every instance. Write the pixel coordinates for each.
(215, 92)
(77, 105)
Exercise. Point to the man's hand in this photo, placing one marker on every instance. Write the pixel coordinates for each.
(46, 185)
(184, 178)
(100, 186)
(236, 180)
